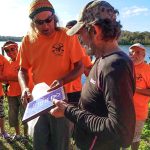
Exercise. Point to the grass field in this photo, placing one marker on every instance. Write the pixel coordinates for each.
(4, 145)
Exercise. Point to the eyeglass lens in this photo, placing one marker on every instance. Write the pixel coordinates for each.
(41, 22)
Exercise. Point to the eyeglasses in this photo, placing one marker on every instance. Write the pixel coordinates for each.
(134, 52)
(41, 22)
(10, 50)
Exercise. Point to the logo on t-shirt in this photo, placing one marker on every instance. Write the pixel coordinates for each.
(139, 77)
(92, 81)
(58, 49)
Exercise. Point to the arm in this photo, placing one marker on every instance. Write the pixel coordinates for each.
(77, 71)
(23, 80)
(145, 92)
(87, 64)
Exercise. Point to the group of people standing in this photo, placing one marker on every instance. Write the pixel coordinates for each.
(108, 112)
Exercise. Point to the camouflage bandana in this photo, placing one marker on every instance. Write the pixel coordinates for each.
(92, 12)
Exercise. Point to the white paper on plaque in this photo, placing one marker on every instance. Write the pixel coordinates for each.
(38, 91)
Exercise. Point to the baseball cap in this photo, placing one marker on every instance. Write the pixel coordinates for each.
(137, 45)
(92, 12)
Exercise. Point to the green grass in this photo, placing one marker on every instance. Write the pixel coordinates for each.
(145, 143)
(15, 145)
(4, 145)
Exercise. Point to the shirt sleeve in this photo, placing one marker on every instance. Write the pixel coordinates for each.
(23, 54)
(76, 52)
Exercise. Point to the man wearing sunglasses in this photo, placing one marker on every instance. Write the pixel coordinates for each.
(137, 53)
(55, 59)
(105, 118)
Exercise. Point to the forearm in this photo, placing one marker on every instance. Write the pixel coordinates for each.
(145, 92)
(23, 78)
(104, 126)
(72, 75)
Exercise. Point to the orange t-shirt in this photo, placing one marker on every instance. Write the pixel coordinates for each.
(4, 65)
(142, 81)
(14, 87)
(50, 57)
(76, 85)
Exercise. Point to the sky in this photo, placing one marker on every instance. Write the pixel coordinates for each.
(134, 14)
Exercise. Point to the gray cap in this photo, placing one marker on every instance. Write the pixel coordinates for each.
(92, 12)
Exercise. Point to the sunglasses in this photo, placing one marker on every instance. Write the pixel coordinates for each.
(41, 22)
(10, 50)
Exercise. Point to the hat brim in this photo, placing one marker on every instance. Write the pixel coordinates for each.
(75, 28)
(10, 45)
(142, 48)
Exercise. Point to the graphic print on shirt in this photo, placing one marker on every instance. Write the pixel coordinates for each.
(92, 81)
(58, 49)
(139, 77)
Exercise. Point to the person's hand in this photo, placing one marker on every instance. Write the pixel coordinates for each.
(59, 110)
(55, 84)
(26, 96)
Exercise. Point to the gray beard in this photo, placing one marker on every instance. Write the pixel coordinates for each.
(89, 51)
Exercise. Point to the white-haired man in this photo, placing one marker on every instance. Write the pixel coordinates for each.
(137, 53)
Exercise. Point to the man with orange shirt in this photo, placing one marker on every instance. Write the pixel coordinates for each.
(50, 54)
(14, 91)
(142, 94)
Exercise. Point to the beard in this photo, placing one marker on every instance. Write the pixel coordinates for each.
(89, 51)
(137, 61)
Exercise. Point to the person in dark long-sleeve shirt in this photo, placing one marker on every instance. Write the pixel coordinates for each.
(105, 118)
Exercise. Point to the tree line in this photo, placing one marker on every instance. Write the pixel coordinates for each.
(12, 38)
(127, 38)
